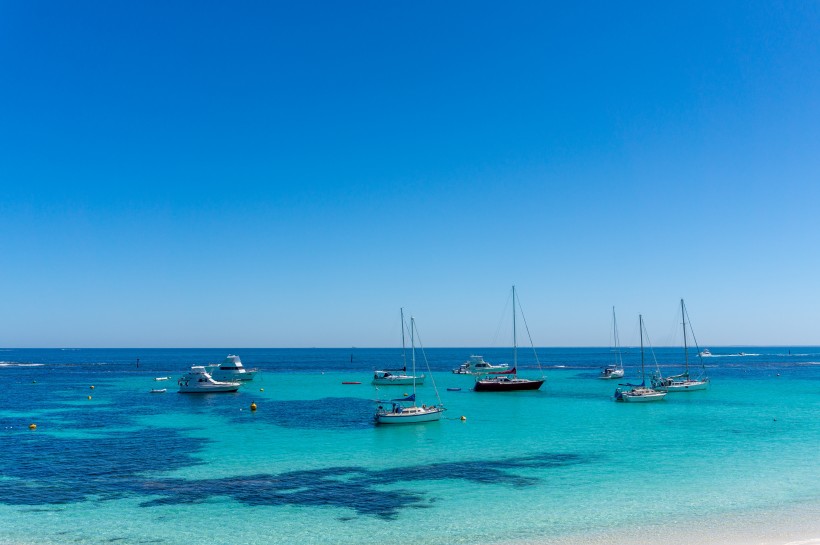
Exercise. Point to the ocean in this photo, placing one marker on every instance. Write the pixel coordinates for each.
(563, 464)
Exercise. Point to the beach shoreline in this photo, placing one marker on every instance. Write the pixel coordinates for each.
(797, 524)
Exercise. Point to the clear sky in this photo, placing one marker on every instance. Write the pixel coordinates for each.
(281, 174)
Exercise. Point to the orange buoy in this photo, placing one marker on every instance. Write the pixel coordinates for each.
(32, 426)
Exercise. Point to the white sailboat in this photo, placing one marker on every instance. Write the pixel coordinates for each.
(683, 382)
(404, 410)
(398, 377)
(615, 369)
(639, 392)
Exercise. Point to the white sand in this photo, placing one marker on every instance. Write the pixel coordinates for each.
(796, 525)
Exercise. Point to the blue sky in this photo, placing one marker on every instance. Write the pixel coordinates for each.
(267, 174)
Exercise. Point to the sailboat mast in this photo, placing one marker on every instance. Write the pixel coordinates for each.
(643, 374)
(685, 348)
(615, 340)
(413, 352)
(403, 347)
(515, 340)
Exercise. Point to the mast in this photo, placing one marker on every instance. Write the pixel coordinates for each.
(403, 348)
(685, 349)
(615, 339)
(413, 353)
(643, 374)
(515, 340)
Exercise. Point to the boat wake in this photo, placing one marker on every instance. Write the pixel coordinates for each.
(18, 364)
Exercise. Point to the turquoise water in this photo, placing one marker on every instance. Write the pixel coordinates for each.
(310, 467)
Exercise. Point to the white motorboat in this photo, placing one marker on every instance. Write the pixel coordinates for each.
(198, 381)
(477, 366)
(705, 353)
(639, 393)
(388, 378)
(231, 370)
(611, 371)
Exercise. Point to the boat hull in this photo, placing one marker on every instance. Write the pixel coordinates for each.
(645, 398)
(398, 381)
(689, 386)
(513, 385)
(614, 374)
(409, 418)
(208, 389)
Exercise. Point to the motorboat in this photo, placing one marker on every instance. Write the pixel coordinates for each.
(477, 366)
(388, 378)
(705, 353)
(612, 371)
(198, 381)
(231, 370)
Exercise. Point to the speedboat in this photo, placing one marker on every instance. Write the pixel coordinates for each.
(386, 378)
(231, 370)
(198, 381)
(612, 371)
(705, 353)
(477, 366)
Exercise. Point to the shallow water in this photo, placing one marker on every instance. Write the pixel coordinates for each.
(310, 467)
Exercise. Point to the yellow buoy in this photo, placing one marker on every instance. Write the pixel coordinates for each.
(92, 386)
(463, 418)
(89, 397)
(253, 405)
(32, 426)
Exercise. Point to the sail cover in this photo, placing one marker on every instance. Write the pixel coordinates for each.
(509, 372)
(411, 397)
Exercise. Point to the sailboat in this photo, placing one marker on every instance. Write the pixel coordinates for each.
(397, 377)
(683, 382)
(509, 381)
(616, 369)
(404, 409)
(639, 392)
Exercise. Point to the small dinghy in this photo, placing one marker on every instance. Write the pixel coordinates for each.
(158, 390)
(162, 378)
